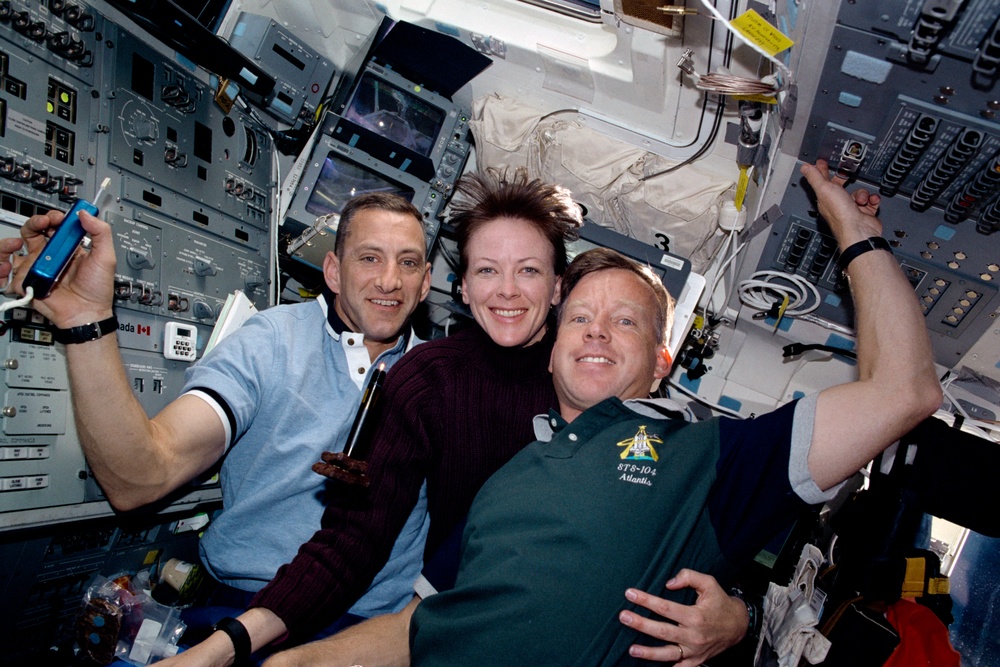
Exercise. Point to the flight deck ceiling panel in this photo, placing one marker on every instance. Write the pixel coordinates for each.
(924, 29)
(916, 120)
(83, 99)
(166, 128)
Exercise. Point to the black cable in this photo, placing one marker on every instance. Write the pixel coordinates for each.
(719, 110)
(701, 151)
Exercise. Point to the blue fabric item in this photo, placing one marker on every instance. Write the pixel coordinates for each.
(293, 386)
(865, 67)
(442, 568)
(849, 99)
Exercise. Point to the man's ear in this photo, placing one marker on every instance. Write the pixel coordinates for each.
(663, 362)
(425, 289)
(331, 272)
(557, 294)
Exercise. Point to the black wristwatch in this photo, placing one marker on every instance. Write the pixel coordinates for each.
(852, 251)
(85, 332)
(238, 634)
(755, 616)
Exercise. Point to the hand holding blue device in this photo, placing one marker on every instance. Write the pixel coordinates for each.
(61, 246)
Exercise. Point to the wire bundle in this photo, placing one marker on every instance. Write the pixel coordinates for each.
(761, 291)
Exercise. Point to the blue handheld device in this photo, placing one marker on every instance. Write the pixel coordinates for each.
(60, 247)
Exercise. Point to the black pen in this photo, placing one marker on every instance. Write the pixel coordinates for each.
(357, 445)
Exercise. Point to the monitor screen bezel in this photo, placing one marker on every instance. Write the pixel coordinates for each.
(452, 136)
(333, 157)
(297, 219)
(411, 93)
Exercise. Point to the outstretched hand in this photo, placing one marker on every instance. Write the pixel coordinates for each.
(341, 467)
(697, 632)
(850, 216)
(84, 293)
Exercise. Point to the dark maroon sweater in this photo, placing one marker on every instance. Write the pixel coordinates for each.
(455, 410)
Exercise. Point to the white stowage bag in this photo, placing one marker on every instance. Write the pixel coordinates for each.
(605, 175)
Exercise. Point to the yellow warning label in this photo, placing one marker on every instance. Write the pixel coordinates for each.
(766, 99)
(753, 26)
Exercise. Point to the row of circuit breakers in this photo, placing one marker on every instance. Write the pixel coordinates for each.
(81, 99)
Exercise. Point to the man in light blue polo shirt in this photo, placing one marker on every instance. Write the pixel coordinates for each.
(268, 400)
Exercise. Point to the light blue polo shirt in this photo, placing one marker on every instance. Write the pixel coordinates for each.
(287, 386)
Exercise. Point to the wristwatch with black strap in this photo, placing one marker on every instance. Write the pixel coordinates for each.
(852, 251)
(238, 634)
(85, 332)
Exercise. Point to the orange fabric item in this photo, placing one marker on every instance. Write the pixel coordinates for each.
(923, 638)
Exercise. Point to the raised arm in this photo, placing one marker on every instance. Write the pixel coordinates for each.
(897, 385)
(136, 460)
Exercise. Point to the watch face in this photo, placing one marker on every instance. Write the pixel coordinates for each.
(88, 332)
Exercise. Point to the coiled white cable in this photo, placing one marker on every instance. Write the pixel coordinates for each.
(761, 292)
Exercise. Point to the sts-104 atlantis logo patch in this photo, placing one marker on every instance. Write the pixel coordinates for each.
(640, 446)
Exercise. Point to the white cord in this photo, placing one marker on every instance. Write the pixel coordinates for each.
(29, 294)
(775, 147)
(728, 243)
(704, 401)
(761, 293)
(985, 430)
(827, 324)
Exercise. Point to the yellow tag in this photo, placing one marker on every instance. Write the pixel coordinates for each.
(913, 580)
(763, 99)
(151, 557)
(939, 586)
(741, 188)
(781, 312)
(753, 26)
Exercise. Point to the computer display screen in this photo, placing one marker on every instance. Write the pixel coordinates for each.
(395, 114)
(339, 180)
